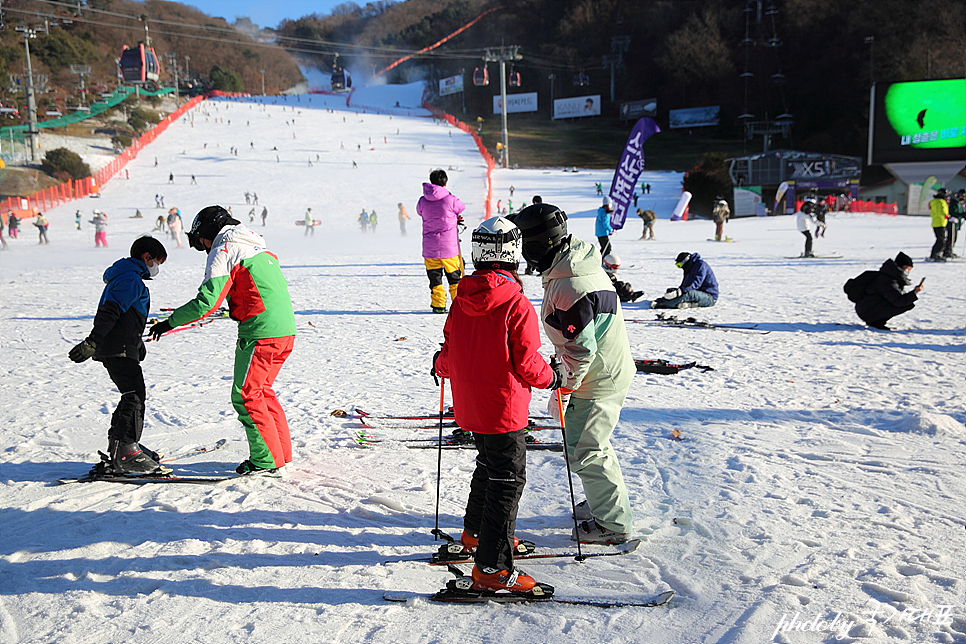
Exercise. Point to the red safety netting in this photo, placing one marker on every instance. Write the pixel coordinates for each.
(487, 157)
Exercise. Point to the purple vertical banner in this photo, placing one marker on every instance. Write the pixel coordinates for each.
(630, 168)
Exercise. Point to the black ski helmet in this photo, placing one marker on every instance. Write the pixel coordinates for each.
(544, 227)
(207, 224)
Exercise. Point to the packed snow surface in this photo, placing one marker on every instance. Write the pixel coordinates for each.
(816, 494)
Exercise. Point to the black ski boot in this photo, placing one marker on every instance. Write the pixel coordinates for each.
(129, 458)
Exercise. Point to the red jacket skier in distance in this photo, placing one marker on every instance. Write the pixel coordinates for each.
(489, 354)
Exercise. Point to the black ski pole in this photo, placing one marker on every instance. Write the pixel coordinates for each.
(573, 504)
(439, 455)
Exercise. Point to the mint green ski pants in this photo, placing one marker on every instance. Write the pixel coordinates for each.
(590, 423)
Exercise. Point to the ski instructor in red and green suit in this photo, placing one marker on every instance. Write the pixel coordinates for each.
(241, 270)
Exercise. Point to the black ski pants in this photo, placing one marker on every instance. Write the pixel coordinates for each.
(808, 241)
(495, 491)
(605, 246)
(128, 419)
(937, 248)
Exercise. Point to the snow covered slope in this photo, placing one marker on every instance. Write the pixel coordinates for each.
(817, 490)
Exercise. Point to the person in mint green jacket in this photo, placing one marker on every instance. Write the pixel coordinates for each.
(241, 270)
(582, 317)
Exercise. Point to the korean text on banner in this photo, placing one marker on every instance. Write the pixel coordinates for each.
(630, 168)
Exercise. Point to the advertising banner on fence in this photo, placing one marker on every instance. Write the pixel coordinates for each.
(451, 85)
(576, 107)
(636, 109)
(694, 117)
(629, 170)
(516, 103)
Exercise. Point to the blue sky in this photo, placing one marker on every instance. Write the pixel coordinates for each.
(264, 14)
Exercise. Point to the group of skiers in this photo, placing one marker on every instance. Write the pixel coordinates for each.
(946, 212)
(368, 220)
(239, 270)
(589, 374)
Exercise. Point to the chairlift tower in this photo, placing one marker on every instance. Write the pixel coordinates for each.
(757, 37)
(501, 55)
(82, 71)
(32, 131)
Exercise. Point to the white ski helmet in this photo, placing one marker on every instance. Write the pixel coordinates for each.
(497, 243)
(611, 262)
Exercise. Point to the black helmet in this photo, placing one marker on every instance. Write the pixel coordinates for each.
(207, 224)
(544, 227)
(942, 193)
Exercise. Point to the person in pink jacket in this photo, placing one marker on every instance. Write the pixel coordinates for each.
(440, 212)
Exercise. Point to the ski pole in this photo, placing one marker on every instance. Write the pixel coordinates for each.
(573, 504)
(439, 456)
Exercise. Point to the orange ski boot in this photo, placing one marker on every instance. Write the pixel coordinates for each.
(493, 579)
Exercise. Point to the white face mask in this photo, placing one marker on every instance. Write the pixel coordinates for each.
(154, 269)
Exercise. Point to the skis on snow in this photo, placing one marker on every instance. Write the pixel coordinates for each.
(665, 367)
(664, 319)
(451, 553)
(100, 471)
(461, 591)
(459, 439)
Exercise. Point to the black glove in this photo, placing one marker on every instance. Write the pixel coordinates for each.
(159, 329)
(83, 351)
(559, 374)
(432, 370)
(459, 221)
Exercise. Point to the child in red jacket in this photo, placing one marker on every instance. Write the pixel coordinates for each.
(490, 356)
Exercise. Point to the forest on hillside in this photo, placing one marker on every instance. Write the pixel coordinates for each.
(93, 33)
(811, 59)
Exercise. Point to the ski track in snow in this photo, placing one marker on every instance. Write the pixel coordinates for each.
(819, 475)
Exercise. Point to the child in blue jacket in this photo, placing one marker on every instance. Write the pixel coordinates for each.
(115, 341)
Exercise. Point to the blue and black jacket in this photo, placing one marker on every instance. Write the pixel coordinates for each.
(122, 311)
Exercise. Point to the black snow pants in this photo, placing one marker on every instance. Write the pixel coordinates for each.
(128, 419)
(495, 491)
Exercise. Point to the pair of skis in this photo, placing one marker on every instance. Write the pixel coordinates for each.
(664, 319)
(460, 590)
(167, 477)
(665, 367)
(459, 439)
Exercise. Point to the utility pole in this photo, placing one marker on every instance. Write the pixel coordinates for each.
(552, 78)
(262, 72)
(32, 131)
(187, 72)
(870, 41)
(501, 55)
(173, 63)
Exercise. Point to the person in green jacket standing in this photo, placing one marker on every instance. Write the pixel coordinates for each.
(582, 317)
(939, 212)
(241, 270)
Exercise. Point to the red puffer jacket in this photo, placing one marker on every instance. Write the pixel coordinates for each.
(490, 354)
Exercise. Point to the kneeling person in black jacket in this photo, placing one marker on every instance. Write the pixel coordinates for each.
(115, 341)
(884, 297)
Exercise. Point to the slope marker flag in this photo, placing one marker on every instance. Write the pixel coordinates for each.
(629, 170)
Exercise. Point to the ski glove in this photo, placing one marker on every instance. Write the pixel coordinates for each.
(432, 370)
(83, 351)
(159, 329)
(672, 293)
(559, 374)
(554, 409)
